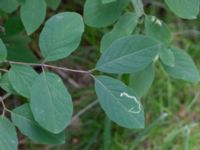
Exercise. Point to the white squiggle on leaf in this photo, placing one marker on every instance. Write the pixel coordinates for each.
(157, 21)
(131, 110)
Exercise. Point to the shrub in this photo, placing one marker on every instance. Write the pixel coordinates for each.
(47, 109)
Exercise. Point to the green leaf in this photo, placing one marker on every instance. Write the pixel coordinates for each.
(18, 49)
(21, 54)
(8, 135)
(13, 21)
(19, 39)
(129, 54)
(187, 9)
(184, 67)
(51, 103)
(123, 27)
(142, 81)
(6, 85)
(32, 14)
(22, 78)
(119, 102)
(167, 56)
(3, 51)
(21, 1)
(53, 4)
(8, 6)
(97, 14)
(61, 36)
(157, 29)
(107, 1)
(23, 119)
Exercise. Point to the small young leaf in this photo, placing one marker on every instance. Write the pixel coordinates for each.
(51, 103)
(123, 27)
(167, 56)
(53, 4)
(184, 67)
(119, 102)
(32, 14)
(142, 81)
(8, 135)
(61, 36)
(97, 14)
(157, 29)
(22, 78)
(129, 54)
(8, 5)
(3, 51)
(187, 9)
(23, 119)
(6, 85)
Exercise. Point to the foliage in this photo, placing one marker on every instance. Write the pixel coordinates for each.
(47, 106)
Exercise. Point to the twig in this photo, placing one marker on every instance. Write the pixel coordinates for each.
(4, 70)
(4, 107)
(6, 96)
(3, 104)
(83, 111)
(65, 76)
(50, 66)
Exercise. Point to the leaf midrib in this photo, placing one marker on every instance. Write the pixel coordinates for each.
(127, 55)
(51, 101)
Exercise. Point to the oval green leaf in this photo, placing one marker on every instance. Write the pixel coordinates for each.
(53, 4)
(119, 102)
(157, 29)
(187, 9)
(123, 27)
(22, 78)
(51, 103)
(8, 25)
(167, 56)
(6, 85)
(32, 14)
(184, 68)
(8, 6)
(129, 54)
(61, 36)
(142, 81)
(98, 14)
(8, 135)
(23, 119)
